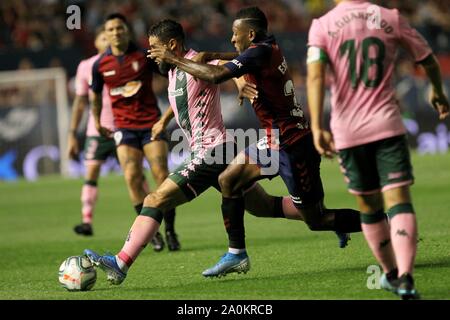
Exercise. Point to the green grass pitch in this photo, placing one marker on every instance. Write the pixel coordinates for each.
(288, 260)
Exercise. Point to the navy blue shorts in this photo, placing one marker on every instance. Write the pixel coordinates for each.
(136, 138)
(298, 165)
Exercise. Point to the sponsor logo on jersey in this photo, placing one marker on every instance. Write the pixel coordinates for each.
(176, 93)
(109, 73)
(128, 90)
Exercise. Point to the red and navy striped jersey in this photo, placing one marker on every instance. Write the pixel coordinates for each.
(276, 106)
(129, 81)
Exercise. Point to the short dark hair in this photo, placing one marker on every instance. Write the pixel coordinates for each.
(254, 18)
(167, 29)
(117, 15)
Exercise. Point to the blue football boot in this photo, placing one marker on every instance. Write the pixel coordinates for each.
(229, 263)
(93, 256)
(107, 263)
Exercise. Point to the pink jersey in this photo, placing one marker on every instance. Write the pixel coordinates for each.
(196, 105)
(82, 82)
(362, 54)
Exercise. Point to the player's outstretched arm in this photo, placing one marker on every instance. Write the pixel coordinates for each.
(78, 107)
(162, 123)
(438, 99)
(205, 56)
(211, 73)
(245, 89)
(323, 140)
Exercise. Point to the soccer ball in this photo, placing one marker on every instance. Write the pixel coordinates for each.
(77, 273)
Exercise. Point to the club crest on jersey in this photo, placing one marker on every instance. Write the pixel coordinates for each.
(180, 75)
(135, 66)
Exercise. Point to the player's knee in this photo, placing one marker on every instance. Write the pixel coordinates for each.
(226, 182)
(149, 201)
(133, 179)
(156, 200)
(152, 200)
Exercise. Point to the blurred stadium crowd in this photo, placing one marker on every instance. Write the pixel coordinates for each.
(33, 33)
(36, 25)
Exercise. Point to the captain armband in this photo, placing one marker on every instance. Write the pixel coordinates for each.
(316, 54)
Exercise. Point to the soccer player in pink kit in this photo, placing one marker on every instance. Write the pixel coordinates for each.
(97, 148)
(359, 41)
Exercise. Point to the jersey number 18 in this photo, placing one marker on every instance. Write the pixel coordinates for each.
(348, 47)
